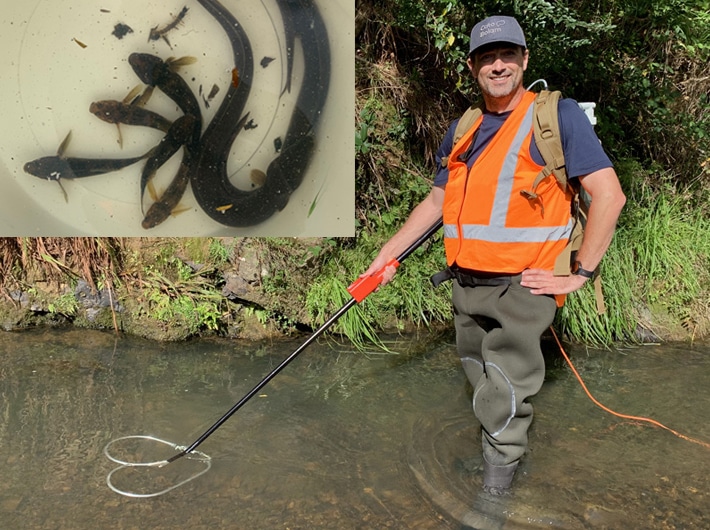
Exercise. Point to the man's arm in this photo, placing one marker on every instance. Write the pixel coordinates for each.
(425, 214)
(607, 201)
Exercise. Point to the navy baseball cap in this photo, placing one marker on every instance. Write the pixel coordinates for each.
(496, 29)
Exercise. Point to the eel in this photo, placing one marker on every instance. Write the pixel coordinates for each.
(210, 182)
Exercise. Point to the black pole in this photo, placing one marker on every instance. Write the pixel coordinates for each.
(371, 286)
(418, 243)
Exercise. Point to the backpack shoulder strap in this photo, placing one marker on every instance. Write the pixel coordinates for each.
(465, 123)
(546, 128)
(548, 139)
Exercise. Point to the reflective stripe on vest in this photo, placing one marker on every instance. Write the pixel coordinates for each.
(511, 233)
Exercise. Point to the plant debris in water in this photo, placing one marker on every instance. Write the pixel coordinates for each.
(120, 30)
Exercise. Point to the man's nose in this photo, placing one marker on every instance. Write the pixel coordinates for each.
(499, 64)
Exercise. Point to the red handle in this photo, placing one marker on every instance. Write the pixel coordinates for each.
(362, 287)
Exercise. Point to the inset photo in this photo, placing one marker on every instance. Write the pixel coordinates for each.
(178, 118)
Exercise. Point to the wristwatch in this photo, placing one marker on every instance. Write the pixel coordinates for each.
(579, 271)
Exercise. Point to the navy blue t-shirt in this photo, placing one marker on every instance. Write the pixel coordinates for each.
(582, 149)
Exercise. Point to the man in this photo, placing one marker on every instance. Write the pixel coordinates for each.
(501, 244)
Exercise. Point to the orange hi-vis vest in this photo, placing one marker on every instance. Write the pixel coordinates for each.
(489, 223)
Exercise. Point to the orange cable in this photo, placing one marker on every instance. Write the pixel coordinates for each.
(620, 415)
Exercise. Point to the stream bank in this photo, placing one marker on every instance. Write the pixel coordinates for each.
(168, 289)
(156, 288)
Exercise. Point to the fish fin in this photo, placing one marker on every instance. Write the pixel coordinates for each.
(120, 136)
(144, 97)
(64, 192)
(242, 121)
(63, 146)
(180, 208)
(174, 63)
(132, 97)
(151, 191)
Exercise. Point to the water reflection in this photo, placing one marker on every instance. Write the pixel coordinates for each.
(341, 440)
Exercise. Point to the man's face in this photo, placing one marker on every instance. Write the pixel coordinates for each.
(499, 70)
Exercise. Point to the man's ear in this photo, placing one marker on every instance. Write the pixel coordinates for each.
(469, 62)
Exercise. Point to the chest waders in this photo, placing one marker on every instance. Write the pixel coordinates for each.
(499, 323)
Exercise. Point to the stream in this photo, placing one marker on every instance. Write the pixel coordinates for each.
(340, 438)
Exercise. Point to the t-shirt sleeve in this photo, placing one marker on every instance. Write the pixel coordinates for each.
(441, 176)
(584, 153)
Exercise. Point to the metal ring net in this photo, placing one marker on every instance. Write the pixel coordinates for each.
(141, 475)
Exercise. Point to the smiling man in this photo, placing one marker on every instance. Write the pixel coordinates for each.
(502, 244)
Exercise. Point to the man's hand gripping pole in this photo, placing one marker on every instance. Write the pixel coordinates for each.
(362, 287)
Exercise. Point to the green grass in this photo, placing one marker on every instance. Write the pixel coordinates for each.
(409, 298)
(657, 264)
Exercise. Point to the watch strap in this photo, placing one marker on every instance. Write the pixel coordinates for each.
(578, 270)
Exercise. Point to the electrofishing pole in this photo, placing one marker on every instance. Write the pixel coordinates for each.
(359, 290)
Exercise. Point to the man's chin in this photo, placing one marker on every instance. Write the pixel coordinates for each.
(500, 92)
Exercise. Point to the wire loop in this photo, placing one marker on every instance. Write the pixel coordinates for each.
(197, 456)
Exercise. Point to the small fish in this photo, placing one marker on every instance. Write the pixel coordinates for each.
(161, 33)
(60, 167)
(167, 204)
(112, 111)
(118, 112)
(181, 132)
(155, 72)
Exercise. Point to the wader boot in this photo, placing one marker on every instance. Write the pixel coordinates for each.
(498, 479)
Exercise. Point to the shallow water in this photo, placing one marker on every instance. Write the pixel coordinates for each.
(340, 439)
(59, 57)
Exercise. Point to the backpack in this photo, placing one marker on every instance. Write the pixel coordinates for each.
(546, 129)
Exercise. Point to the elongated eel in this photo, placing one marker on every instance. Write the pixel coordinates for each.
(211, 185)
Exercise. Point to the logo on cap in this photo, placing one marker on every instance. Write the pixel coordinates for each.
(492, 27)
